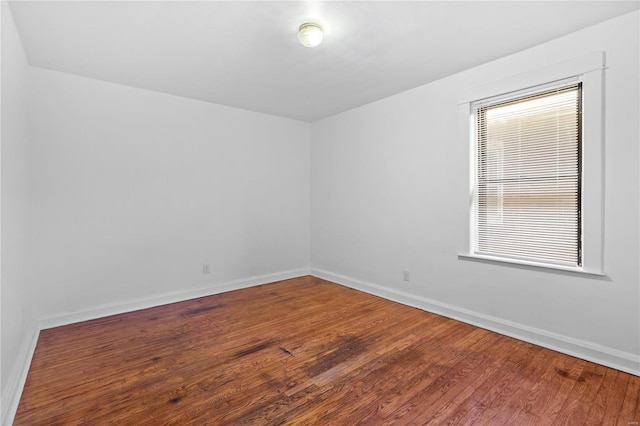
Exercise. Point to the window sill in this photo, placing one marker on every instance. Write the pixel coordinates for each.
(527, 264)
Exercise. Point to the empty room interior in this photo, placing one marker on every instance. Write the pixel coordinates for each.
(367, 212)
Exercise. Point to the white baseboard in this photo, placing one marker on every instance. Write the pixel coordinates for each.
(164, 299)
(623, 361)
(11, 395)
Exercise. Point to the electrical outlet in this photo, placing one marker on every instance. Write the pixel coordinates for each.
(206, 269)
(406, 276)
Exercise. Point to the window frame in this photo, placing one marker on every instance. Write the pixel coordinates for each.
(589, 71)
(476, 110)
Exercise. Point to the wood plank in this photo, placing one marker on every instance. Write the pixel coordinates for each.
(630, 412)
(580, 399)
(488, 398)
(307, 351)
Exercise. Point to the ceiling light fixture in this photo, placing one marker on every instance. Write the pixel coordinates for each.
(310, 34)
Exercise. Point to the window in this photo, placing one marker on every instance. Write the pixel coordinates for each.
(528, 176)
(536, 167)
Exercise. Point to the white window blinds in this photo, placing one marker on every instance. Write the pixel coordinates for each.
(529, 177)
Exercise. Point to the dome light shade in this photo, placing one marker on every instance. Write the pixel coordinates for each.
(310, 34)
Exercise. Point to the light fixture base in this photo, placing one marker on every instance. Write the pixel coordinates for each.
(310, 34)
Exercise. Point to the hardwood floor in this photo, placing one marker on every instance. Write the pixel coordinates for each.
(306, 351)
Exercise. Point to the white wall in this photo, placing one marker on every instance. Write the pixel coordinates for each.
(133, 191)
(389, 192)
(18, 321)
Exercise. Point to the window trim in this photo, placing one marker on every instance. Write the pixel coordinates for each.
(589, 70)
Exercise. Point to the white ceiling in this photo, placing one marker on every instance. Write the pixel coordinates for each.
(246, 54)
